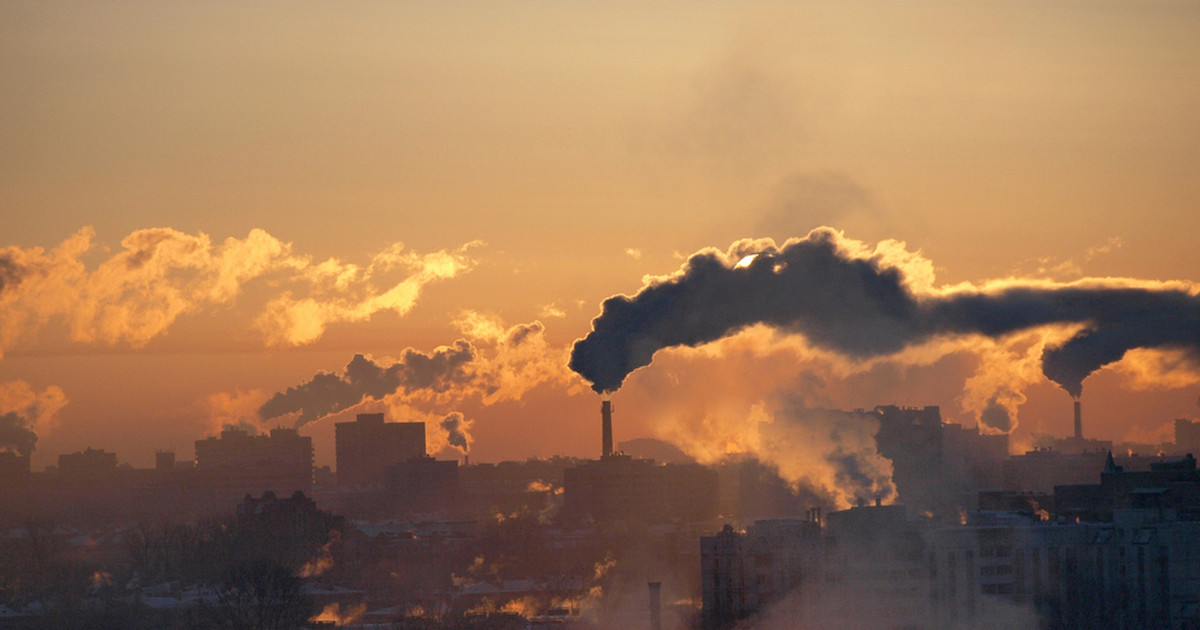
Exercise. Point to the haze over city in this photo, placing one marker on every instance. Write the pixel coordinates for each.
(495, 315)
(205, 206)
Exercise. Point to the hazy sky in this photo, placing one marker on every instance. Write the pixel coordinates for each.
(205, 204)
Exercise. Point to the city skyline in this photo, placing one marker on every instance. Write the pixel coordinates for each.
(208, 207)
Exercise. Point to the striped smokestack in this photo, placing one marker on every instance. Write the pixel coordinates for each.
(606, 428)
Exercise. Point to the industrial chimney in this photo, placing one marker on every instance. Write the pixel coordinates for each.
(606, 428)
(655, 605)
(1078, 422)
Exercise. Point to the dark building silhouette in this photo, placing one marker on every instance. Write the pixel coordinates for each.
(369, 445)
(237, 463)
(87, 463)
(511, 487)
(422, 484)
(620, 487)
(974, 461)
(744, 572)
(912, 438)
(164, 460)
(14, 469)
(1042, 469)
(1167, 486)
(1187, 436)
(749, 490)
(1123, 554)
(658, 450)
(286, 531)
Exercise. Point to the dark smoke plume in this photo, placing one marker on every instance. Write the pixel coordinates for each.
(11, 273)
(862, 308)
(456, 427)
(15, 434)
(996, 417)
(328, 393)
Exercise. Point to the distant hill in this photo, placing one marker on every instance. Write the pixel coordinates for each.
(658, 450)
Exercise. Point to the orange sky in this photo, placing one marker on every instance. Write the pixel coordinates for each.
(305, 181)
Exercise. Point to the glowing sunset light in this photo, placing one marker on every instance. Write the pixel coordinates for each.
(223, 216)
(666, 315)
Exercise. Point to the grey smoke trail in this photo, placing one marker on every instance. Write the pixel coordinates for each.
(11, 272)
(862, 308)
(328, 393)
(457, 427)
(15, 434)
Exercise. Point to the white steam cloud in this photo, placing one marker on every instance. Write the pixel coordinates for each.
(161, 274)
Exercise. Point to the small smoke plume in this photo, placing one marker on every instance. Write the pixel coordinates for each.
(15, 434)
(237, 409)
(995, 418)
(830, 452)
(458, 431)
(22, 411)
(861, 303)
(843, 459)
(1003, 369)
(363, 379)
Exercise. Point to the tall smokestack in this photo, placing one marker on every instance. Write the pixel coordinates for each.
(606, 428)
(655, 605)
(1078, 422)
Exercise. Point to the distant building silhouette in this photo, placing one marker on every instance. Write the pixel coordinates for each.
(164, 460)
(422, 484)
(744, 572)
(1042, 469)
(1121, 554)
(1187, 436)
(14, 470)
(87, 463)
(237, 463)
(912, 438)
(620, 487)
(368, 446)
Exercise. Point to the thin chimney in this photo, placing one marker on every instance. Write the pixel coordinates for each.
(606, 428)
(1078, 422)
(655, 605)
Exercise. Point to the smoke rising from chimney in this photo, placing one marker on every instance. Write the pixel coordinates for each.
(995, 417)
(457, 430)
(15, 434)
(495, 363)
(23, 411)
(364, 379)
(865, 303)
